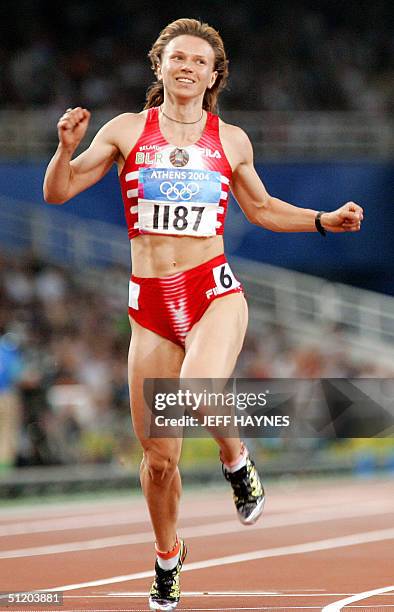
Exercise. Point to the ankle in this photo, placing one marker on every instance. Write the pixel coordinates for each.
(167, 560)
(238, 463)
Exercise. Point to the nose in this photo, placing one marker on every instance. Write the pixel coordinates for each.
(186, 67)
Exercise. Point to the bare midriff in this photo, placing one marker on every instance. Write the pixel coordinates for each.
(155, 256)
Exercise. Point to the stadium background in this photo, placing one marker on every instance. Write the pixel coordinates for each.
(312, 83)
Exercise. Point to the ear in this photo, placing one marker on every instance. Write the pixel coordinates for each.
(213, 79)
(158, 72)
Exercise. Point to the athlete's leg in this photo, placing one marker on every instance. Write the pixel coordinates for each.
(152, 356)
(211, 352)
(212, 348)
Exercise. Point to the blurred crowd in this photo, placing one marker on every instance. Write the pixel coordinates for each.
(71, 379)
(284, 56)
(63, 363)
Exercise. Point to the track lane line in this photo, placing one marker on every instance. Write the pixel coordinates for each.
(233, 609)
(225, 527)
(190, 594)
(91, 507)
(336, 606)
(125, 518)
(190, 609)
(295, 549)
(33, 523)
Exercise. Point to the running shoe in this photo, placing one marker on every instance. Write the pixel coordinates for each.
(248, 492)
(165, 591)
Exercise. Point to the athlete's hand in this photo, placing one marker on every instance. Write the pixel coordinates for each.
(347, 218)
(72, 127)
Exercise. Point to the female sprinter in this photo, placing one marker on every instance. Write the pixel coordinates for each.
(177, 162)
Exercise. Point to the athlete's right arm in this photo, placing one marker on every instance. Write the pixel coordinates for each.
(64, 177)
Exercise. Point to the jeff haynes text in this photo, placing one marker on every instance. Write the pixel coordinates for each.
(223, 421)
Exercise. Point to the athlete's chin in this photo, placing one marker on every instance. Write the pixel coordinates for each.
(188, 90)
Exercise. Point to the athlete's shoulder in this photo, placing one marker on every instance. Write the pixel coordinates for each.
(233, 132)
(236, 141)
(115, 130)
(126, 120)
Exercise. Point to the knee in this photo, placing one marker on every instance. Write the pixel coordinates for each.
(161, 464)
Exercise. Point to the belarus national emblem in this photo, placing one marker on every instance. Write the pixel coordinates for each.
(179, 157)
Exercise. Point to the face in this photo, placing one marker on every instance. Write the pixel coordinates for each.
(187, 66)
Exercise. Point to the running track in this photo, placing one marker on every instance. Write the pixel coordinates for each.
(321, 545)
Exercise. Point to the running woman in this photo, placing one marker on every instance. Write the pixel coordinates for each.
(177, 162)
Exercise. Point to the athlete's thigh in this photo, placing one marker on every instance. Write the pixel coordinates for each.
(150, 356)
(214, 342)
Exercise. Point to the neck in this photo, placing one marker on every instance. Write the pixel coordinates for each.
(189, 111)
(178, 121)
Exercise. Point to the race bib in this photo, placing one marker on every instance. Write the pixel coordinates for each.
(181, 202)
(224, 279)
(134, 293)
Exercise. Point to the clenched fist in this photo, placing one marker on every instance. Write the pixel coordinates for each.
(72, 127)
(347, 218)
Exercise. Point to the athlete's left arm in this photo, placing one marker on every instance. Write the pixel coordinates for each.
(267, 211)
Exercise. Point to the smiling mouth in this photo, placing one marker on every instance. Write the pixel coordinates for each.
(185, 80)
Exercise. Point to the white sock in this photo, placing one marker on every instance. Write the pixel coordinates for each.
(171, 561)
(168, 564)
(241, 462)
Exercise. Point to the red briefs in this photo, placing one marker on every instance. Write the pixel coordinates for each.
(171, 305)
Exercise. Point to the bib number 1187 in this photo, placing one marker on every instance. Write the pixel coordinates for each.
(176, 217)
